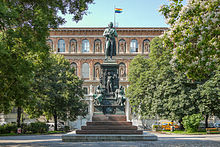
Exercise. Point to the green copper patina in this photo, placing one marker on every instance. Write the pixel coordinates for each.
(110, 46)
(108, 97)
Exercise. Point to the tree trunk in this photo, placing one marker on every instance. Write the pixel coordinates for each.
(206, 121)
(181, 125)
(19, 117)
(55, 121)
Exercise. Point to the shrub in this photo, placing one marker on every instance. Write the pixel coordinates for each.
(156, 127)
(66, 128)
(191, 123)
(37, 127)
(8, 128)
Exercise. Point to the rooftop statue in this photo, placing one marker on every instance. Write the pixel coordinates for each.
(110, 46)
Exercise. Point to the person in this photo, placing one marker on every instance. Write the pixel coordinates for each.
(110, 46)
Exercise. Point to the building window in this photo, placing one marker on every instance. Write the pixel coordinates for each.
(73, 46)
(86, 90)
(74, 65)
(122, 46)
(97, 71)
(97, 46)
(85, 46)
(50, 44)
(146, 46)
(85, 71)
(134, 46)
(61, 45)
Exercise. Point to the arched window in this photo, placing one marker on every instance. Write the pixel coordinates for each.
(85, 46)
(74, 65)
(122, 71)
(73, 46)
(146, 46)
(61, 45)
(50, 43)
(122, 46)
(97, 46)
(134, 46)
(97, 71)
(85, 71)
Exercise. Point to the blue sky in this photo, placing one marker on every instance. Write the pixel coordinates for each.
(136, 13)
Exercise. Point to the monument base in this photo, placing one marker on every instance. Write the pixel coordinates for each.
(108, 128)
(73, 137)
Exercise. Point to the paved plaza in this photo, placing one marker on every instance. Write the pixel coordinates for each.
(164, 140)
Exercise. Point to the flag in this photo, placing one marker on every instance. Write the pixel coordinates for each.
(118, 10)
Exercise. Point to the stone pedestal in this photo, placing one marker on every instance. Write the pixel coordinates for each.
(108, 128)
(109, 121)
(109, 124)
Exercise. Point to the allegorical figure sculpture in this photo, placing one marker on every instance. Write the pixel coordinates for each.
(98, 95)
(120, 95)
(109, 86)
(110, 46)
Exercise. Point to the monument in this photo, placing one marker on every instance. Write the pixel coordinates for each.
(109, 121)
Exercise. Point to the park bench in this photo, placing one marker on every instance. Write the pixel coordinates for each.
(212, 130)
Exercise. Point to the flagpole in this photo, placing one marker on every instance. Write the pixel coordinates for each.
(114, 16)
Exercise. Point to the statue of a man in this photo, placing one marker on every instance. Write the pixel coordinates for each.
(110, 46)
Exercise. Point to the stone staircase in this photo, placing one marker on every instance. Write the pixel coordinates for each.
(109, 124)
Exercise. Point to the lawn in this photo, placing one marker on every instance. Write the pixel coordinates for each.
(49, 132)
(187, 133)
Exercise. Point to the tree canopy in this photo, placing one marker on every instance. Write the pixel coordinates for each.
(57, 91)
(24, 28)
(193, 36)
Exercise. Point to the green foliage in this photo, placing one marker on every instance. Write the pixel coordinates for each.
(210, 95)
(24, 28)
(37, 127)
(181, 75)
(66, 128)
(191, 122)
(8, 128)
(157, 90)
(193, 36)
(57, 91)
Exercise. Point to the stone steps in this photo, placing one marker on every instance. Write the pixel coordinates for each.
(109, 124)
(109, 132)
(104, 127)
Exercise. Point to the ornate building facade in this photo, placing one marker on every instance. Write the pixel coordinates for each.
(85, 47)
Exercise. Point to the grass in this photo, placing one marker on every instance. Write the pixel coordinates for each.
(49, 132)
(9, 134)
(187, 133)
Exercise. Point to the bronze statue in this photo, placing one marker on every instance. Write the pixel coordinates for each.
(110, 85)
(110, 46)
(120, 96)
(98, 95)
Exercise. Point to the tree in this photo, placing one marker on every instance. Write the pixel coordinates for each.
(209, 100)
(24, 27)
(193, 39)
(135, 92)
(159, 90)
(193, 36)
(58, 92)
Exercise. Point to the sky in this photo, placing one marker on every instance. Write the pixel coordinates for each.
(136, 13)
